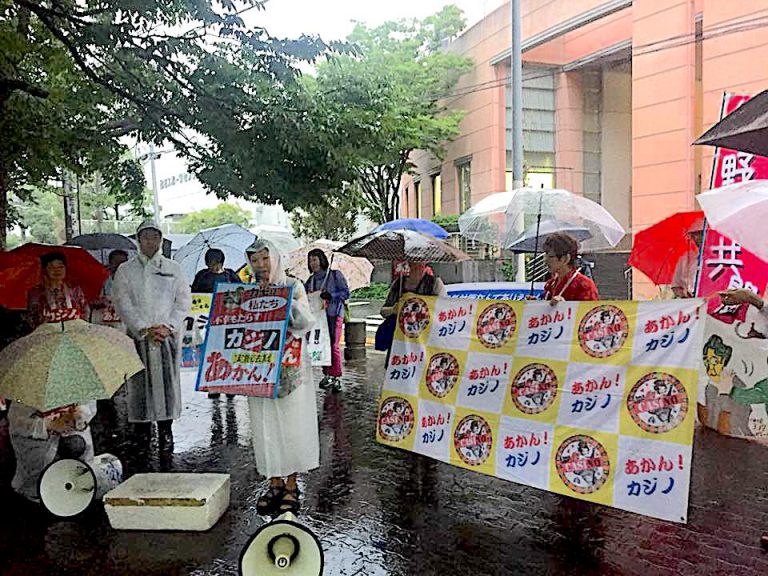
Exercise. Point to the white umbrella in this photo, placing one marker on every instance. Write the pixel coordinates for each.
(229, 238)
(739, 211)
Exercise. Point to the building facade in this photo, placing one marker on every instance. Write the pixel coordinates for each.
(614, 92)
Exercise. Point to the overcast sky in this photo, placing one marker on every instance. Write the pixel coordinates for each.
(332, 19)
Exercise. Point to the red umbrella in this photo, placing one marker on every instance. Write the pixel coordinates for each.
(20, 271)
(658, 249)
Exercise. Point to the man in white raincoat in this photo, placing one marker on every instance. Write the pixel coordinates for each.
(152, 297)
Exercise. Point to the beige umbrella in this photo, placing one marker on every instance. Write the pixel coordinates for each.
(357, 271)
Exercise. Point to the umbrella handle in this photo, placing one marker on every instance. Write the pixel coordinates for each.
(536, 242)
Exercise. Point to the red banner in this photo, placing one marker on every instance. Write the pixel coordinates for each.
(725, 264)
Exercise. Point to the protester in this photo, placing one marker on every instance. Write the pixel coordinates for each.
(39, 438)
(416, 282)
(215, 272)
(284, 430)
(104, 312)
(54, 300)
(152, 297)
(566, 283)
(684, 280)
(335, 292)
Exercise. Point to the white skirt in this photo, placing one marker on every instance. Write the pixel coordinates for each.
(284, 432)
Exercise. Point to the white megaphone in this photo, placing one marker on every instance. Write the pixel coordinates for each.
(67, 487)
(282, 547)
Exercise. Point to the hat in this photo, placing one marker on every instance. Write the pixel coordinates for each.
(148, 225)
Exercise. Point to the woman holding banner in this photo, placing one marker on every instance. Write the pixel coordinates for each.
(284, 429)
(566, 283)
(334, 291)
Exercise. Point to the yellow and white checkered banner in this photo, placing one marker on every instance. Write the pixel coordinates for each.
(594, 400)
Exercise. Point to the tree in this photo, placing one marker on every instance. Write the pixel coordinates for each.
(334, 218)
(384, 102)
(77, 76)
(193, 222)
(42, 216)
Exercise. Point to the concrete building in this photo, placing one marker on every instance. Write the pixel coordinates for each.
(614, 93)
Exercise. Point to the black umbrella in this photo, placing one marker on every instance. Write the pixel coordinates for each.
(745, 129)
(100, 244)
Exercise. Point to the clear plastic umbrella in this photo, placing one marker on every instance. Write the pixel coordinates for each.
(403, 245)
(502, 219)
(230, 239)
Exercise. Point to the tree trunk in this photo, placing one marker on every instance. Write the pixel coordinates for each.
(3, 206)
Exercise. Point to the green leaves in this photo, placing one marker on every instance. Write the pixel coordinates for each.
(193, 222)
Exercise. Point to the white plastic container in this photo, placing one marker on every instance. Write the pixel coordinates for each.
(189, 502)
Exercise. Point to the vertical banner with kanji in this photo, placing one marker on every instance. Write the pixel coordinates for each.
(725, 264)
(245, 345)
(593, 400)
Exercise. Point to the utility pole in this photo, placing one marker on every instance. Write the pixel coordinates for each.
(152, 157)
(516, 91)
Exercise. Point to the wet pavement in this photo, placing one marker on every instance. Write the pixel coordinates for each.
(381, 511)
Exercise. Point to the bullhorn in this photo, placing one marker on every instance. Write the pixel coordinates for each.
(282, 547)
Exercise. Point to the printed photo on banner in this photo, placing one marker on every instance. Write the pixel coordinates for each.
(556, 420)
(195, 325)
(414, 318)
(535, 389)
(246, 345)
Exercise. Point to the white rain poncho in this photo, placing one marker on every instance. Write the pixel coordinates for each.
(149, 292)
(284, 430)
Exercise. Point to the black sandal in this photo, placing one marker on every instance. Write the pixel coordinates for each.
(290, 501)
(268, 502)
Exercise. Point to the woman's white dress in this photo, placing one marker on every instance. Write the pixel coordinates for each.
(284, 431)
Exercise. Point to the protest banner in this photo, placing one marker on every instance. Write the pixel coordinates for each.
(194, 328)
(733, 387)
(319, 337)
(592, 400)
(495, 290)
(246, 345)
(724, 263)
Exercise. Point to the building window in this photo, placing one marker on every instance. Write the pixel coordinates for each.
(417, 193)
(437, 194)
(464, 175)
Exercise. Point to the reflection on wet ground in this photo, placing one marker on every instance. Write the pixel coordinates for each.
(381, 511)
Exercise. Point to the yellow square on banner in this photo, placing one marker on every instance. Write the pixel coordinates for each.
(201, 303)
(414, 318)
(659, 403)
(604, 332)
(584, 464)
(536, 389)
(496, 327)
(397, 420)
(473, 441)
(442, 375)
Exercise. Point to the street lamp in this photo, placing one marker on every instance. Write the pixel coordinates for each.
(153, 155)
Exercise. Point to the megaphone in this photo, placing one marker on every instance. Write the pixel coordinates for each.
(67, 487)
(282, 548)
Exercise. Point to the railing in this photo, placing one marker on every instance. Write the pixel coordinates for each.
(536, 268)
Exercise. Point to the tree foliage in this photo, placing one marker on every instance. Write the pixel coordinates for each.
(385, 102)
(193, 222)
(77, 76)
(333, 218)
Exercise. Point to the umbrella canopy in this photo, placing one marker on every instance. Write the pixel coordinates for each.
(658, 249)
(526, 242)
(357, 271)
(229, 238)
(402, 245)
(486, 221)
(744, 129)
(417, 225)
(100, 244)
(20, 271)
(68, 363)
(569, 209)
(739, 211)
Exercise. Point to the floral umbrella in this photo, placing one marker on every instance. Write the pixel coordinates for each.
(357, 271)
(68, 363)
(403, 245)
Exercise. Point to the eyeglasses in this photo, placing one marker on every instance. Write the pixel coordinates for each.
(550, 256)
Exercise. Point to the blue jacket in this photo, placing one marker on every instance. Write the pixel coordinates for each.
(336, 286)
